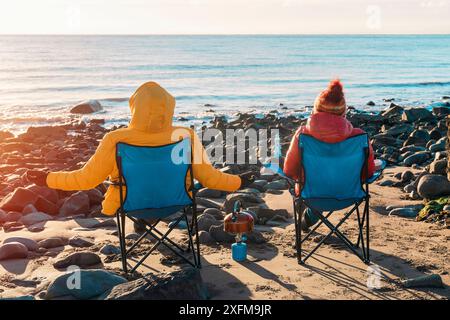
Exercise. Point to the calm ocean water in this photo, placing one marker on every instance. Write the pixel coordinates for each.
(42, 76)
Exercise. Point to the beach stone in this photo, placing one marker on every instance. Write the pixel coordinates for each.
(17, 200)
(276, 185)
(5, 135)
(52, 242)
(46, 206)
(132, 236)
(205, 221)
(92, 284)
(209, 193)
(34, 218)
(13, 250)
(109, 249)
(370, 103)
(438, 146)
(80, 242)
(407, 176)
(417, 158)
(404, 212)
(86, 107)
(78, 203)
(10, 217)
(255, 237)
(106, 223)
(393, 111)
(29, 208)
(432, 186)
(12, 226)
(80, 259)
(186, 284)
(409, 188)
(399, 129)
(416, 114)
(43, 133)
(205, 238)
(247, 200)
(219, 234)
(435, 134)
(216, 213)
(439, 167)
(29, 243)
(412, 149)
(386, 183)
(95, 196)
(45, 192)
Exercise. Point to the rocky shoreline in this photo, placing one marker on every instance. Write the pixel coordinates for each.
(413, 138)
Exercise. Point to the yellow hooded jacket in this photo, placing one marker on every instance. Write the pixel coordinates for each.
(152, 110)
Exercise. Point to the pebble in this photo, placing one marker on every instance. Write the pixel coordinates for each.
(29, 243)
(110, 249)
(13, 250)
(80, 242)
(80, 259)
(52, 242)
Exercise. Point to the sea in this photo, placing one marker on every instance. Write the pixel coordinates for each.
(41, 77)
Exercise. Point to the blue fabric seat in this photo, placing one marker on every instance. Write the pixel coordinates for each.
(153, 182)
(333, 179)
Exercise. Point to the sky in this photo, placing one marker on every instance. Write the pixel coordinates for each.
(224, 16)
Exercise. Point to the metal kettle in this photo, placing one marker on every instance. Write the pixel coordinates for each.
(238, 222)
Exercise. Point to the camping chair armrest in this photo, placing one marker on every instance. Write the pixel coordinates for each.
(112, 183)
(377, 173)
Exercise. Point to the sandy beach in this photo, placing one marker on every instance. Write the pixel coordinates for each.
(53, 225)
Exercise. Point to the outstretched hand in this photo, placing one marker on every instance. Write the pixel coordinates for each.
(247, 179)
(38, 177)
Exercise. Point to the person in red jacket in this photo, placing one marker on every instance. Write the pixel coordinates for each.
(327, 123)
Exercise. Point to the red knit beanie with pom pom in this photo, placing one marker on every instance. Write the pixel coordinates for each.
(331, 100)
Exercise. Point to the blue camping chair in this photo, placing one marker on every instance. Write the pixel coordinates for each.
(152, 182)
(332, 181)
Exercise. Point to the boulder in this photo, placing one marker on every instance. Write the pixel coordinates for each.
(18, 200)
(80, 259)
(407, 176)
(418, 158)
(95, 196)
(77, 203)
(209, 193)
(439, 167)
(184, 284)
(29, 208)
(247, 200)
(45, 192)
(86, 107)
(52, 242)
(205, 238)
(438, 146)
(393, 111)
(13, 250)
(34, 218)
(205, 221)
(43, 205)
(80, 242)
(109, 249)
(432, 186)
(29, 243)
(92, 283)
(216, 213)
(219, 234)
(416, 114)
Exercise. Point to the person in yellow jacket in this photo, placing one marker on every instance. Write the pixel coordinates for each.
(152, 109)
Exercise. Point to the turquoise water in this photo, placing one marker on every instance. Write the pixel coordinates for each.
(42, 76)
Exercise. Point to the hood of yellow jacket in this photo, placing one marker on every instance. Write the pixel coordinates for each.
(152, 108)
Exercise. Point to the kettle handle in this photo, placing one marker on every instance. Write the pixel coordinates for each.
(237, 208)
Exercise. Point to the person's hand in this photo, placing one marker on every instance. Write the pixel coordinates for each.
(247, 179)
(38, 177)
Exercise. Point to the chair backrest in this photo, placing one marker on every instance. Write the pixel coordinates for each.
(155, 177)
(333, 171)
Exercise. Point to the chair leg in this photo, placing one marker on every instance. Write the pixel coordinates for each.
(122, 242)
(299, 228)
(197, 242)
(367, 232)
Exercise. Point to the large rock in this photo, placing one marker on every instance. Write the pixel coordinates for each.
(179, 285)
(34, 218)
(95, 196)
(416, 114)
(78, 203)
(218, 234)
(417, 158)
(247, 200)
(80, 259)
(29, 243)
(80, 242)
(432, 186)
(205, 221)
(439, 167)
(87, 107)
(52, 242)
(83, 284)
(46, 193)
(13, 250)
(43, 205)
(18, 199)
